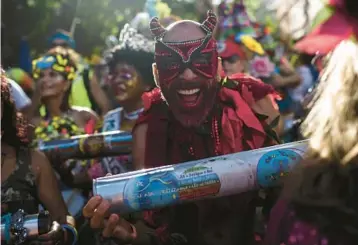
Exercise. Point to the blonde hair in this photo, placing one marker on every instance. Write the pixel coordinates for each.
(332, 124)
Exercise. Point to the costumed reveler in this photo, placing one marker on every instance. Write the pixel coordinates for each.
(239, 46)
(237, 32)
(194, 113)
(54, 73)
(130, 74)
(27, 178)
(85, 90)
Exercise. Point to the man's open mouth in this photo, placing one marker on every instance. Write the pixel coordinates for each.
(189, 97)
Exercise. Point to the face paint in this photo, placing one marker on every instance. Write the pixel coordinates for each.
(190, 98)
(187, 75)
(125, 83)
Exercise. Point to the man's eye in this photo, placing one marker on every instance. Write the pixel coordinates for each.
(169, 63)
(172, 65)
(203, 59)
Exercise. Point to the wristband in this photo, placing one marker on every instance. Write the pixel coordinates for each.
(6, 220)
(73, 231)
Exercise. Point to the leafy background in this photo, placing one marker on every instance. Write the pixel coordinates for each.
(36, 20)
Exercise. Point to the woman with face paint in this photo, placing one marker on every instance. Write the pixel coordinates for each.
(27, 178)
(130, 74)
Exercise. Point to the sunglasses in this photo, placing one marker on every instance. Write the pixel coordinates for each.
(232, 59)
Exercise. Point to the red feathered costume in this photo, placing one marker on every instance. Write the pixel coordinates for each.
(247, 114)
(235, 115)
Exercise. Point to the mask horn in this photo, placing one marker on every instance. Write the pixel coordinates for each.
(210, 23)
(156, 28)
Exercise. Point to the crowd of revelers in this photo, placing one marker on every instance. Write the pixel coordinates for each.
(188, 91)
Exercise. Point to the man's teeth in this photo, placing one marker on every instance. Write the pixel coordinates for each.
(188, 91)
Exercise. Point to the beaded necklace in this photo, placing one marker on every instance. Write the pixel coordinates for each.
(215, 135)
(133, 115)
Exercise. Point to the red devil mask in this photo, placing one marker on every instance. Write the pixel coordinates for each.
(172, 58)
(190, 100)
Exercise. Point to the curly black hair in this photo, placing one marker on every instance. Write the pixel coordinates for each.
(14, 127)
(136, 50)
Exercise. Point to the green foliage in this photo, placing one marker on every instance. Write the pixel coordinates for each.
(38, 19)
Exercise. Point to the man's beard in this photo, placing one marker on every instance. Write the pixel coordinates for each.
(194, 114)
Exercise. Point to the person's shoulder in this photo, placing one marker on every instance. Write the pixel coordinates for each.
(114, 111)
(39, 161)
(152, 98)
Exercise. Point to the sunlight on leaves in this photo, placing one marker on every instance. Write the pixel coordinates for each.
(31, 3)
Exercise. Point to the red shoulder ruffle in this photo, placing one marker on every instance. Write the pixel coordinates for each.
(253, 89)
(244, 92)
(152, 97)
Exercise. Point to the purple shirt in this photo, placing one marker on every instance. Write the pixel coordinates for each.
(284, 228)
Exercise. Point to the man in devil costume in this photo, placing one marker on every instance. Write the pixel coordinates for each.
(194, 113)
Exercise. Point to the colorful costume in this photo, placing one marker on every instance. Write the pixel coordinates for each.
(234, 114)
(236, 26)
(62, 127)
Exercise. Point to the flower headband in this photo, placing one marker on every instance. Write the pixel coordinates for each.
(59, 61)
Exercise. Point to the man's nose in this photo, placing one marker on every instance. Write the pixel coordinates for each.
(188, 74)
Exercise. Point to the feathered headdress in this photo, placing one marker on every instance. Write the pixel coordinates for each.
(129, 38)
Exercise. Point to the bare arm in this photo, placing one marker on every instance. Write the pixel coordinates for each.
(48, 189)
(139, 143)
(99, 95)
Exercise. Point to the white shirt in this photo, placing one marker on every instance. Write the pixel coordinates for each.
(20, 97)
